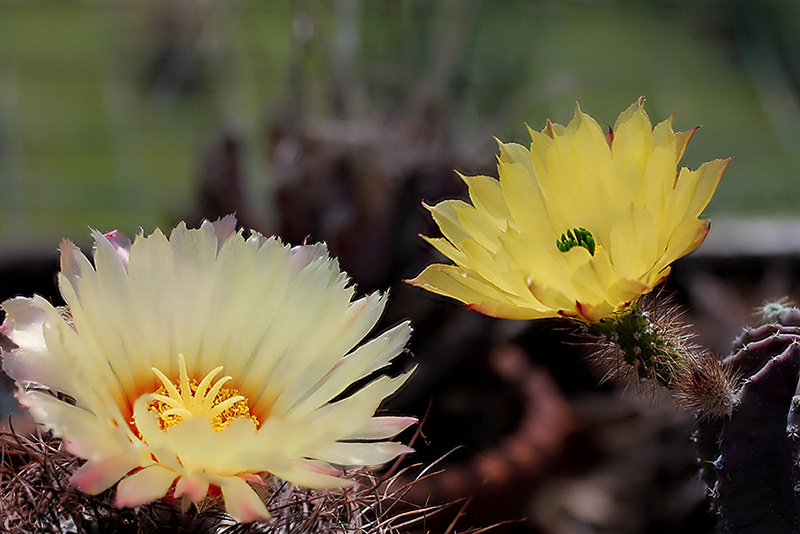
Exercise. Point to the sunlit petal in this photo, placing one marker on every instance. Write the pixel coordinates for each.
(205, 360)
(579, 225)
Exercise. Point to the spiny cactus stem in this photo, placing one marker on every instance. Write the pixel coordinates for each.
(651, 351)
(755, 490)
(753, 355)
(648, 342)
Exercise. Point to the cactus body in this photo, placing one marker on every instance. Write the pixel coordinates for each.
(750, 459)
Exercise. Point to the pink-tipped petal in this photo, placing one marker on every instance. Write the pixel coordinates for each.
(26, 320)
(241, 501)
(382, 428)
(195, 488)
(224, 228)
(96, 476)
(145, 486)
(121, 244)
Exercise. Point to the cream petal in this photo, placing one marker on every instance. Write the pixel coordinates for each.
(305, 255)
(96, 476)
(25, 321)
(366, 359)
(194, 487)
(224, 227)
(151, 286)
(368, 454)
(249, 321)
(343, 332)
(209, 298)
(145, 486)
(91, 349)
(382, 428)
(194, 249)
(288, 351)
(193, 442)
(97, 388)
(310, 474)
(232, 295)
(334, 421)
(121, 244)
(74, 264)
(86, 435)
(241, 501)
(112, 284)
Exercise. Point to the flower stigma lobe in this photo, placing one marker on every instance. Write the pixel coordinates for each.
(577, 237)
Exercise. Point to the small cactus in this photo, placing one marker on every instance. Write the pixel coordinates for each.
(649, 343)
(750, 459)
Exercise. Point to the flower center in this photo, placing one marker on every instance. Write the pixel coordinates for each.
(174, 402)
(578, 237)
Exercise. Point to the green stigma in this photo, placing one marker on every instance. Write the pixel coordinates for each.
(577, 237)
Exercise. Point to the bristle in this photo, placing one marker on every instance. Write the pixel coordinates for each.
(706, 386)
(36, 497)
(649, 344)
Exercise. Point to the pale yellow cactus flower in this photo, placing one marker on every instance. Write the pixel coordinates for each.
(202, 363)
(579, 226)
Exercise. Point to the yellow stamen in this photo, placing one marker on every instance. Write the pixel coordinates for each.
(189, 398)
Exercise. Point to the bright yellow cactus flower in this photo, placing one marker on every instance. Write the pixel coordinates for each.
(203, 362)
(579, 226)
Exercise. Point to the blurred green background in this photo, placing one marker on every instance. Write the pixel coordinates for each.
(107, 109)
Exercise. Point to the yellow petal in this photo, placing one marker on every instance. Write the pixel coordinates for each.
(486, 195)
(622, 188)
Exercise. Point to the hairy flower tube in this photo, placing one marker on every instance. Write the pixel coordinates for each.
(203, 362)
(579, 226)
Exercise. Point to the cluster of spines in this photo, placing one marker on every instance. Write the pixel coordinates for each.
(649, 343)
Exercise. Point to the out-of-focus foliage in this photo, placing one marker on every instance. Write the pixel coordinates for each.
(106, 108)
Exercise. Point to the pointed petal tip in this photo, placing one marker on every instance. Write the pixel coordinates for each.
(121, 244)
(548, 129)
(224, 227)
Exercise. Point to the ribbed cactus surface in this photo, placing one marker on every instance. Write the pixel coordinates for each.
(750, 459)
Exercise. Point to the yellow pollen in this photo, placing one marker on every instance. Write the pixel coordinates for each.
(174, 402)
